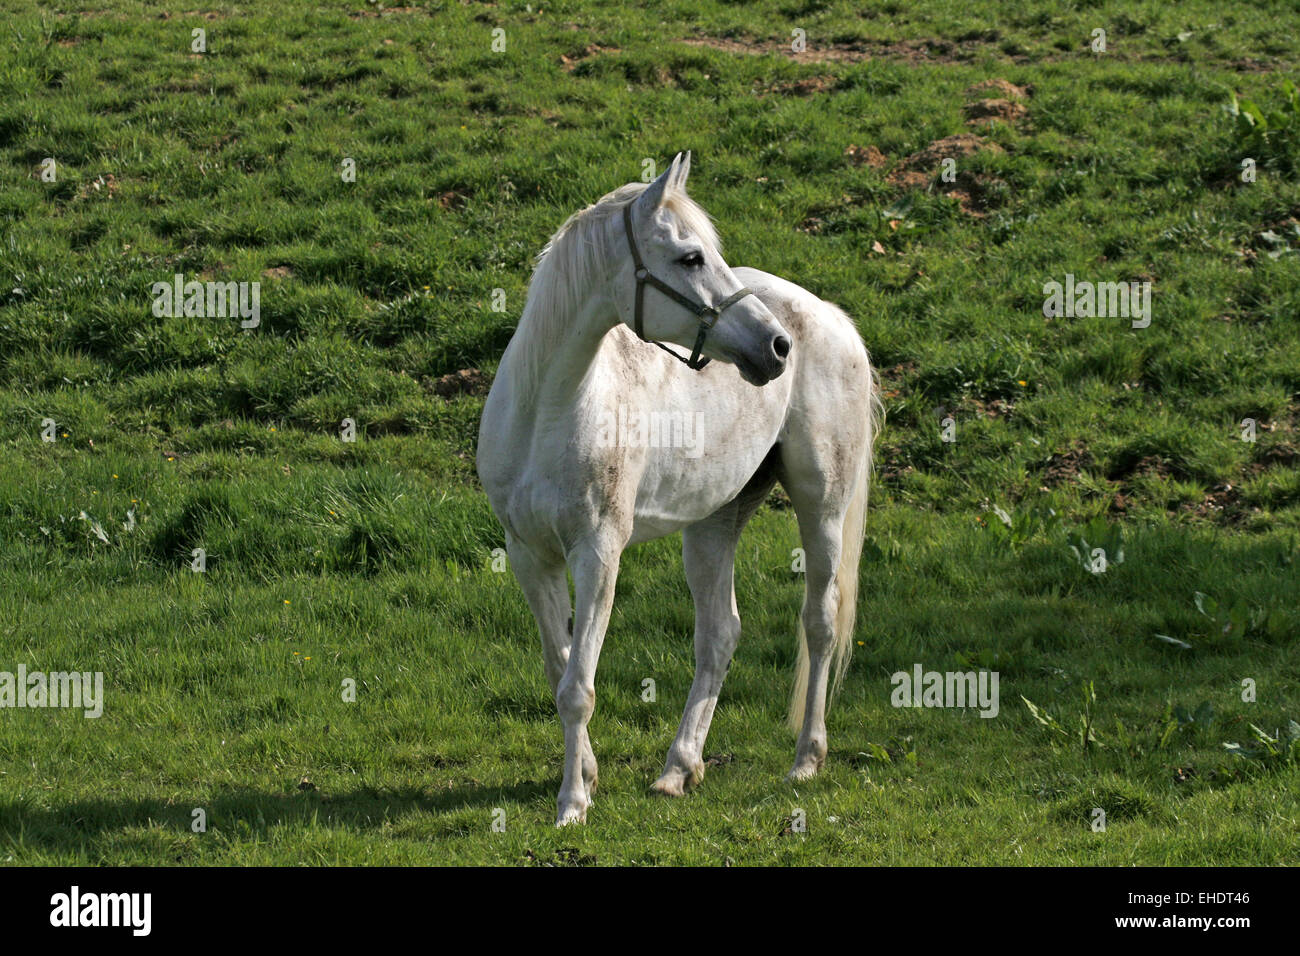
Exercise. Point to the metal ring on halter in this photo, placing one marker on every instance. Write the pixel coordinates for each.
(699, 309)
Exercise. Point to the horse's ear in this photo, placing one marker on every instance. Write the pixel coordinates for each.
(683, 166)
(653, 197)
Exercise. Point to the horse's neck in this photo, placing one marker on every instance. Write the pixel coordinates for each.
(565, 365)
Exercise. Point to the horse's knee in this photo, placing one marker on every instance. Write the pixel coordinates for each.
(575, 701)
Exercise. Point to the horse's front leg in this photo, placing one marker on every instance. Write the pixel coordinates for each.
(541, 575)
(595, 570)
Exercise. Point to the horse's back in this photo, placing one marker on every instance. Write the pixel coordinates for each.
(822, 331)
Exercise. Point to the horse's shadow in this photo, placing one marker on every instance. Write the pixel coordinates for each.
(243, 810)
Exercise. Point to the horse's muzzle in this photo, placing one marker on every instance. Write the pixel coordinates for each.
(769, 363)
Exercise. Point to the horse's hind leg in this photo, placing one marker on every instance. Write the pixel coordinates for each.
(708, 553)
(547, 591)
(821, 538)
(829, 502)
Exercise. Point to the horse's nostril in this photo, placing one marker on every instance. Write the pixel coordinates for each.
(781, 346)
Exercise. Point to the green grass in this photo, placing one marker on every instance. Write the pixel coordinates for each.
(329, 561)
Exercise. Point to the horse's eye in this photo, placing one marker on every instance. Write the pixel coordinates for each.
(692, 261)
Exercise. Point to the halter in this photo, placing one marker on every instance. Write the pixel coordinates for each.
(707, 314)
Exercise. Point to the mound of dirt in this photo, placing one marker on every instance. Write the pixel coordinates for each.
(971, 190)
(950, 147)
(805, 87)
(570, 63)
(1001, 89)
(1067, 465)
(452, 200)
(867, 156)
(1008, 111)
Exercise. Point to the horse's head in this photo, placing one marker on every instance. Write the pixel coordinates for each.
(686, 284)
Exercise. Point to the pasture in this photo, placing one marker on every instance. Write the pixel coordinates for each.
(1163, 690)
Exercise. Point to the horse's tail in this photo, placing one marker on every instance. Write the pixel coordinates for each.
(846, 575)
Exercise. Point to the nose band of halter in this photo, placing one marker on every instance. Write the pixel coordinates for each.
(707, 314)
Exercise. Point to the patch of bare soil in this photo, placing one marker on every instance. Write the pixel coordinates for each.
(805, 87)
(913, 51)
(1008, 111)
(380, 10)
(1222, 502)
(964, 49)
(891, 379)
(570, 62)
(192, 14)
(105, 185)
(972, 190)
(931, 157)
(994, 408)
(1000, 89)
(1067, 465)
(1150, 465)
(452, 200)
(468, 381)
(1283, 454)
(866, 156)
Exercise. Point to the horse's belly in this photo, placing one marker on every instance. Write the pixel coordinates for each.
(677, 491)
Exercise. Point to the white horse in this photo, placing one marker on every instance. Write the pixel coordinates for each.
(574, 483)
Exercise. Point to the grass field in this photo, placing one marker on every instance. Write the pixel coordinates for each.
(371, 561)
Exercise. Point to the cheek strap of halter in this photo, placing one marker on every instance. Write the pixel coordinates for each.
(707, 314)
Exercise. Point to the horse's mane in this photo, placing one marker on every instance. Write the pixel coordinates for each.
(574, 258)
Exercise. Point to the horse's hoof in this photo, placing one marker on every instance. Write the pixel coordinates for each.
(569, 815)
(805, 770)
(669, 786)
(676, 782)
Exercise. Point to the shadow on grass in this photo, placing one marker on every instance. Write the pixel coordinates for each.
(242, 811)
